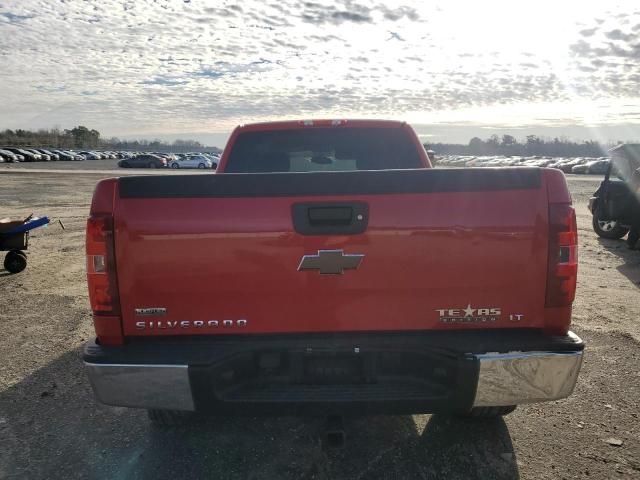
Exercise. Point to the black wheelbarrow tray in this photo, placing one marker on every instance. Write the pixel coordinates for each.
(14, 239)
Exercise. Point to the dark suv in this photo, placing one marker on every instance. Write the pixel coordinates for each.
(143, 161)
(613, 204)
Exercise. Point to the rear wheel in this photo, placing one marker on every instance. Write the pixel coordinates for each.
(608, 228)
(15, 261)
(201, 165)
(489, 412)
(167, 418)
(175, 165)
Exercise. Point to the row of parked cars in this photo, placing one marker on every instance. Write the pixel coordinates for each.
(23, 154)
(567, 165)
(171, 160)
(15, 155)
(127, 159)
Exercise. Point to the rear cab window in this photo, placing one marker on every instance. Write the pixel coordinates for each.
(323, 149)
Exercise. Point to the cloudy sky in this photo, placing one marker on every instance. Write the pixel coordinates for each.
(196, 68)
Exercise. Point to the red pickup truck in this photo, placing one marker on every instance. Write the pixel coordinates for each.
(326, 268)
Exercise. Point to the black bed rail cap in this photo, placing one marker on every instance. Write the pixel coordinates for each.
(364, 182)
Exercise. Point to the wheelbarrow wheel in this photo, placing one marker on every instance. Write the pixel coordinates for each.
(15, 261)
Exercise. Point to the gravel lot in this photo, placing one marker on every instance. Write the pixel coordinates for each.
(51, 427)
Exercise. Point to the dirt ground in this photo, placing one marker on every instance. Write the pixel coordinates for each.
(51, 426)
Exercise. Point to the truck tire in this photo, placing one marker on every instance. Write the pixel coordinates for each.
(610, 229)
(15, 261)
(489, 412)
(167, 418)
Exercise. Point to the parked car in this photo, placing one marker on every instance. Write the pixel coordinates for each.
(195, 161)
(214, 159)
(582, 168)
(27, 156)
(63, 156)
(598, 167)
(567, 166)
(143, 161)
(593, 167)
(40, 157)
(167, 156)
(545, 162)
(8, 156)
(614, 204)
(91, 155)
(52, 155)
(76, 156)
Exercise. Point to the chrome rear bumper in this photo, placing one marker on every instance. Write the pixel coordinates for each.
(526, 377)
(502, 379)
(143, 386)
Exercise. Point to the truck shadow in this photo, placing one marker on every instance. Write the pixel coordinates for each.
(631, 258)
(51, 427)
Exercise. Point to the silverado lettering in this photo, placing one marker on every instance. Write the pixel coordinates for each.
(164, 324)
(374, 282)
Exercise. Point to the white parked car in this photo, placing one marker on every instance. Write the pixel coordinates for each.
(192, 161)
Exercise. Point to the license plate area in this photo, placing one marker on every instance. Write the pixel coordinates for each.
(339, 368)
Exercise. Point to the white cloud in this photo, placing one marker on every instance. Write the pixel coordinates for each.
(174, 66)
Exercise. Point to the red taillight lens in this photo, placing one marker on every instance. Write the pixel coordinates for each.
(100, 266)
(101, 279)
(562, 267)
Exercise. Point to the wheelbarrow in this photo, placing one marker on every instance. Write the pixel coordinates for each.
(14, 239)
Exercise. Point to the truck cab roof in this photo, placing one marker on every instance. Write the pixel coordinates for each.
(293, 124)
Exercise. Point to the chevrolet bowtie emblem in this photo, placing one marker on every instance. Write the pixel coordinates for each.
(330, 262)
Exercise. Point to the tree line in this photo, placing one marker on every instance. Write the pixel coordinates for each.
(531, 146)
(83, 138)
(177, 146)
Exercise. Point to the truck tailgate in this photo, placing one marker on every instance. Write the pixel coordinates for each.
(439, 249)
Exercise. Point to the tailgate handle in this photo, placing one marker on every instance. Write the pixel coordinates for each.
(330, 215)
(330, 218)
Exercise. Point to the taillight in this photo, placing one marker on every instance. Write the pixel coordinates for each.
(101, 266)
(562, 267)
(102, 295)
